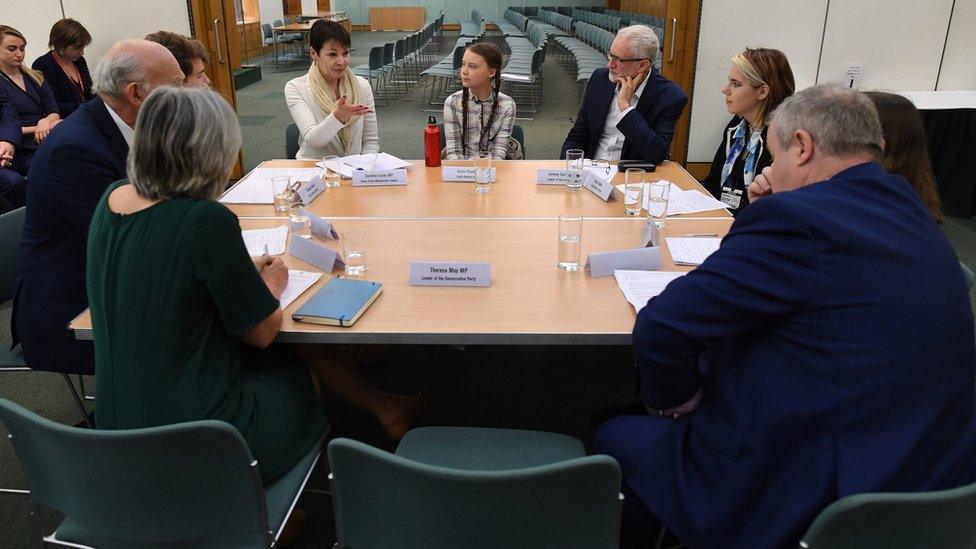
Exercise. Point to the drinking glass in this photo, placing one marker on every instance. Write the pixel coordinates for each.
(301, 225)
(482, 172)
(331, 178)
(574, 163)
(657, 201)
(281, 188)
(570, 237)
(354, 252)
(633, 191)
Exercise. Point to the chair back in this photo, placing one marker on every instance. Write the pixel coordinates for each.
(388, 53)
(11, 230)
(266, 29)
(384, 500)
(177, 484)
(291, 141)
(376, 58)
(458, 57)
(278, 23)
(519, 135)
(946, 518)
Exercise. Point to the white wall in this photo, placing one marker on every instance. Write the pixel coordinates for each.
(271, 11)
(310, 7)
(792, 26)
(958, 66)
(899, 43)
(107, 22)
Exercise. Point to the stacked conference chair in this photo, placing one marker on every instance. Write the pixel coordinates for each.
(441, 80)
(522, 75)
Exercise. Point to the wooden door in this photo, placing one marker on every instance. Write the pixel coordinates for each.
(293, 7)
(324, 5)
(214, 24)
(678, 62)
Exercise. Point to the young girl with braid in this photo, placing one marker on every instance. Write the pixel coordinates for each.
(479, 117)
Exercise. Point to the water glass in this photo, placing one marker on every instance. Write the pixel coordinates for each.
(574, 164)
(570, 238)
(331, 178)
(482, 172)
(657, 201)
(633, 191)
(354, 252)
(301, 225)
(281, 188)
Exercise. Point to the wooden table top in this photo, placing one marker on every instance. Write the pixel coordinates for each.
(515, 195)
(530, 300)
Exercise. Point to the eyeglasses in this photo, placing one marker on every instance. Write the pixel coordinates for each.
(611, 58)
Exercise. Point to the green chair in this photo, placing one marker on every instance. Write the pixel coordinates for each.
(474, 488)
(946, 518)
(291, 141)
(186, 485)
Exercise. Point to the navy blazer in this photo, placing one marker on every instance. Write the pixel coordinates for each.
(69, 174)
(9, 122)
(32, 105)
(66, 93)
(647, 129)
(833, 338)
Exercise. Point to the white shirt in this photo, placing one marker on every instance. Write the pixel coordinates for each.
(612, 139)
(127, 132)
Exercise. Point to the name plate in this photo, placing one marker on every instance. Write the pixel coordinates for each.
(450, 273)
(309, 191)
(378, 178)
(321, 227)
(462, 174)
(553, 177)
(599, 186)
(315, 254)
(638, 259)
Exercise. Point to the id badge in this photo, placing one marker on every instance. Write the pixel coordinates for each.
(731, 198)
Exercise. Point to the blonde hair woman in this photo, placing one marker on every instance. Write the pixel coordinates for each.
(332, 107)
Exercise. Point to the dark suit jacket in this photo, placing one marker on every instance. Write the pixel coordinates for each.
(32, 105)
(833, 337)
(712, 181)
(648, 128)
(65, 91)
(70, 172)
(9, 123)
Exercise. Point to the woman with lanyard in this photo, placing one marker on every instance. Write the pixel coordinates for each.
(466, 133)
(65, 68)
(29, 94)
(332, 107)
(759, 80)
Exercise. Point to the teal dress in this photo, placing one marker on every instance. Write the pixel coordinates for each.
(172, 290)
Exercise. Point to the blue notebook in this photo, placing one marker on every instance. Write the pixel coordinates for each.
(339, 303)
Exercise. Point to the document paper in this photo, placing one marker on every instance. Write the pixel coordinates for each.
(255, 240)
(256, 187)
(380, 161)
(691, 250)
(298, 282)
(640, 286)
(684, 202)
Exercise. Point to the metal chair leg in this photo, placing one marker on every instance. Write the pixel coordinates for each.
(78, 402)
(84, 394)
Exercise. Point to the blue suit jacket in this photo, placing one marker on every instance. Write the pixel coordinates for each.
(31, 105)
(9, 123)
(65, 92)
(833, 337)
(648, 128)
(69, 174)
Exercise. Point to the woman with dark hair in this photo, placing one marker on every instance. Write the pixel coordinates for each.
(30, 95)
(759, 80)
(906, 152)
(479, 118)
(332, 107)
(65, 68)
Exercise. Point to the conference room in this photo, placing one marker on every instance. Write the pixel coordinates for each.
(561, 274)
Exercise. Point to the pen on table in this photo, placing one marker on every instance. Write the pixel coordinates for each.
(266, 250)
(701, 234)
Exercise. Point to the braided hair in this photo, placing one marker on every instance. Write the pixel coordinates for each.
(493, 58)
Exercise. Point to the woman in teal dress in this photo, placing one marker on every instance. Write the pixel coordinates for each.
(180, 313)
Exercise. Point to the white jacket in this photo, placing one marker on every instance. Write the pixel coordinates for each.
(318, 133)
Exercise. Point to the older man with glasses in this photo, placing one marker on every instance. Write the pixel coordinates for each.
(629, 111)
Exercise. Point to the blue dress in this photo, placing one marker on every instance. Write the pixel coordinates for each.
(33, 103)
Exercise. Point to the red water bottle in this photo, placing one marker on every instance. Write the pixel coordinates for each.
(432, 143)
